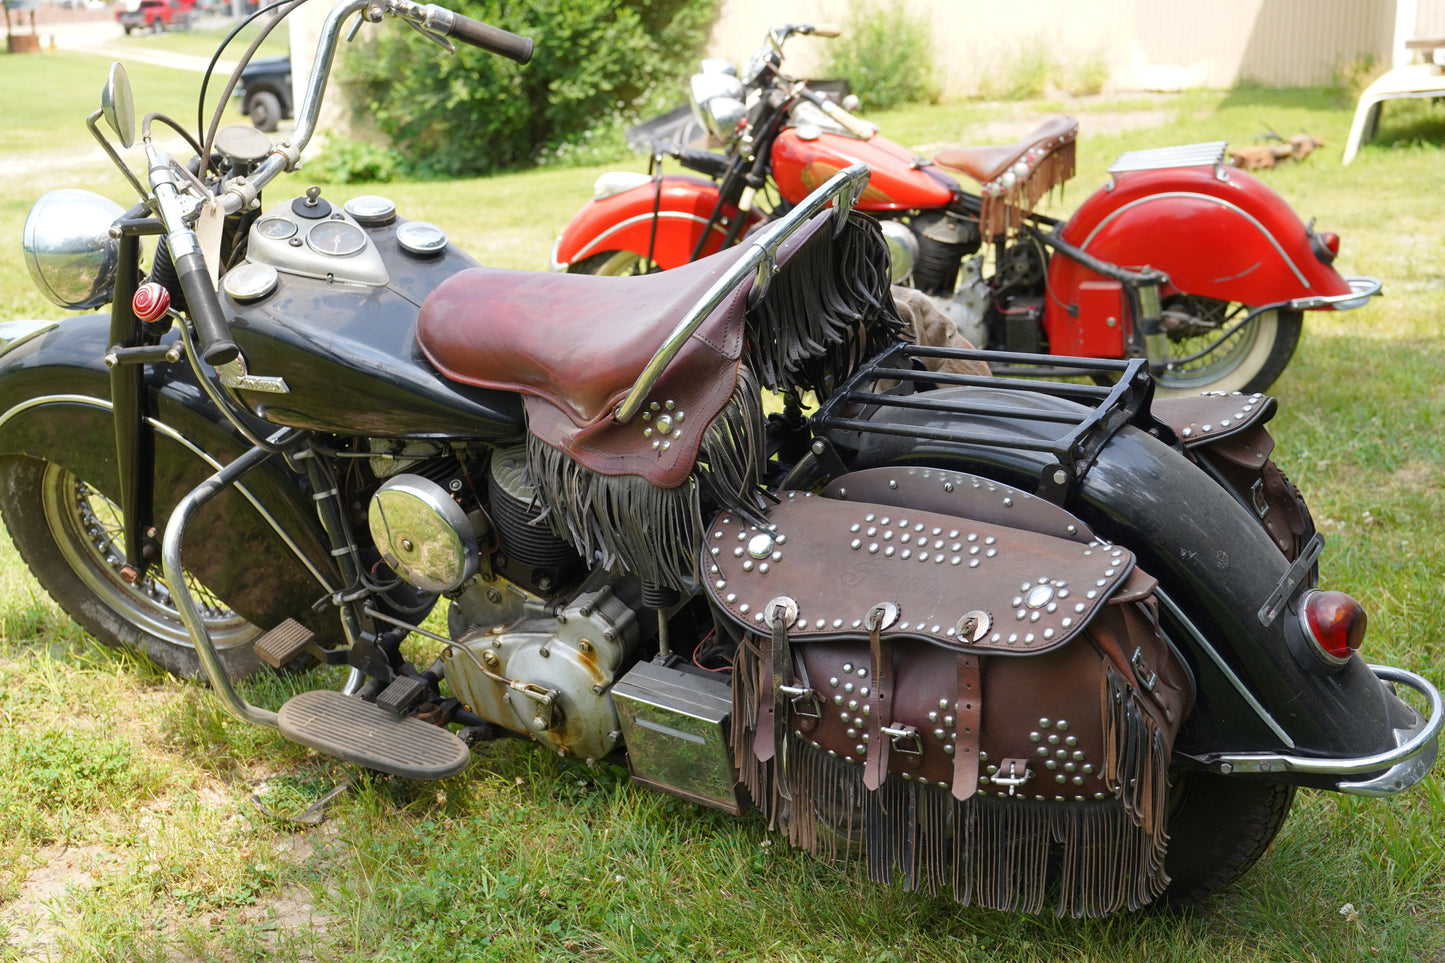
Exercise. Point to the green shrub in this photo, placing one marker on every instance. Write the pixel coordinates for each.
(355, 162)
(1019, 73)
(1083, 77)
(476, 113)
(886, 54)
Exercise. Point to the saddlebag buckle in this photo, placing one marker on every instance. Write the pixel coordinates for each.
(1018, 774)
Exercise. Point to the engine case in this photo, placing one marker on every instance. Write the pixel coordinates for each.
(550, 677)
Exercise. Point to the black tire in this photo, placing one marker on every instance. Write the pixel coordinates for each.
(1218, 828)
(1248, 361)
(611, 264)
(128, 29)
(264, 108)
(68, 534)
(157, 26)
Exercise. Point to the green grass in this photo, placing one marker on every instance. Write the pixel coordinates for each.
(142, 785)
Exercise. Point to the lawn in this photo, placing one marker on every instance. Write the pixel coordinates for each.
(144, 824)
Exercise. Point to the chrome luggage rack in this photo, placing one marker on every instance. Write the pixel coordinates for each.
(860, 405)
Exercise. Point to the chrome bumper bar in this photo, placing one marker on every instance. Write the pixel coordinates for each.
(1405, 765)
(1362, 288)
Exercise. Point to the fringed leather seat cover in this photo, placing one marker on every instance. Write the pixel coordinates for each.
(1015, 176)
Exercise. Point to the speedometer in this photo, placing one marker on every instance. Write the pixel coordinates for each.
(336, 238)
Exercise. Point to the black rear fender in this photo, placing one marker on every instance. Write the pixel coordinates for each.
(55, 406)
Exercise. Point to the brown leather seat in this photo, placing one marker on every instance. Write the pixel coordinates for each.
(575, 340)
(985, 164)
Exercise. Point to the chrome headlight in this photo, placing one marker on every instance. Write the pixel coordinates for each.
(717, 103)
(68, 248)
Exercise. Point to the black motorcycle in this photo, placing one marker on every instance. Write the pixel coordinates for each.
(1003, 638)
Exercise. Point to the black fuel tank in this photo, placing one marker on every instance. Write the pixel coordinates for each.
(340, 330)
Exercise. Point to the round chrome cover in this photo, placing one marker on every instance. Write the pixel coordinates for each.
(250, 281)
(68, 248)
(902, 249)
(371, 210)
(423, 534)
(419, 237)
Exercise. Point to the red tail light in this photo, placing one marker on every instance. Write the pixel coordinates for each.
(1326, 246)
(1336, 623)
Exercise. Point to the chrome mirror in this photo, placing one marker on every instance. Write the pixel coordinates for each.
(118, 106)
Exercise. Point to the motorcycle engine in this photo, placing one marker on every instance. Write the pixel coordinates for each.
(535, 651)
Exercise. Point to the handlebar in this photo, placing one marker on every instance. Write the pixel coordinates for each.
(204, 305)
(484, 36)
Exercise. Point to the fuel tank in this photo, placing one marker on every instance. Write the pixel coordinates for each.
(324, 310)
(804, 157)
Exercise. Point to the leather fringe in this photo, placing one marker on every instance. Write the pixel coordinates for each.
(827, 310)
(1089, 858)
(1003, 210)
(623, 521)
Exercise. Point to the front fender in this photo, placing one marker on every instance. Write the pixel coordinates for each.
(273, 560)
(1216, 232)
(624, 222)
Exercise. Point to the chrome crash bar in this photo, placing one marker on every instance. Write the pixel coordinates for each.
(1404, 766)
(761, 258)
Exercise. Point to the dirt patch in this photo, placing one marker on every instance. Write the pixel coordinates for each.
(33, 922)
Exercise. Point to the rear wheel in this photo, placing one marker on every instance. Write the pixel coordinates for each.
(71, 537)
(613, 264)
(1218, 828)
(1248, 360)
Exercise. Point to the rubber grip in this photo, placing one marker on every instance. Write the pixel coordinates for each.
(205, 310)
(702, 161)
(492, 39)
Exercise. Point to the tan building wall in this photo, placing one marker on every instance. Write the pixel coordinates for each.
(1147, 44)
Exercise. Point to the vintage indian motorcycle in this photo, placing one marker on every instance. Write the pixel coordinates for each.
(1020, 641)
(1238, 265)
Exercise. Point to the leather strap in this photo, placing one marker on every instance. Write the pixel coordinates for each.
(968, 713)
(875, 766)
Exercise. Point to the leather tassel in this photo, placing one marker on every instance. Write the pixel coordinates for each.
(825, 312)
(625, 522)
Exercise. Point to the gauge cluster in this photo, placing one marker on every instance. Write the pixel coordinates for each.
(311, 237)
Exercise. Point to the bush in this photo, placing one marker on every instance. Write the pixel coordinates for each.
(476, 113)
(886, 53)
(1018, 74)
(355, 162)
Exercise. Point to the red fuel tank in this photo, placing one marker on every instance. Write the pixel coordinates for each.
(901, 180)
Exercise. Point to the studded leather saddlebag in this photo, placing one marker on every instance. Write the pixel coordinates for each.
(977, 706)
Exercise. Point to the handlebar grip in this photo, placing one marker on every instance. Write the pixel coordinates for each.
(205, 309)
(826, 30)
(489, 38)
(704, 162)
(858, 128)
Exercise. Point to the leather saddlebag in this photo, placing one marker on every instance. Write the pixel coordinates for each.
(976, 707)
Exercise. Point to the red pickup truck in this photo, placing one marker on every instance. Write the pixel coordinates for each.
(157, 15)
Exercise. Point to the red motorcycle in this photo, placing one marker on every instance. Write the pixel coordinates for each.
(1231, 265)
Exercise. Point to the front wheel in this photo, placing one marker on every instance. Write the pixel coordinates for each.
(71, 537)
(613, 264)
(1247, 360)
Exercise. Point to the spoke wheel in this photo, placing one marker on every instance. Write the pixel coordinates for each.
(1249, 360)
(71, 537)
(612, 264)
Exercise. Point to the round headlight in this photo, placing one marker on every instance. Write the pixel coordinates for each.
(68, 248)
(703, 90)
